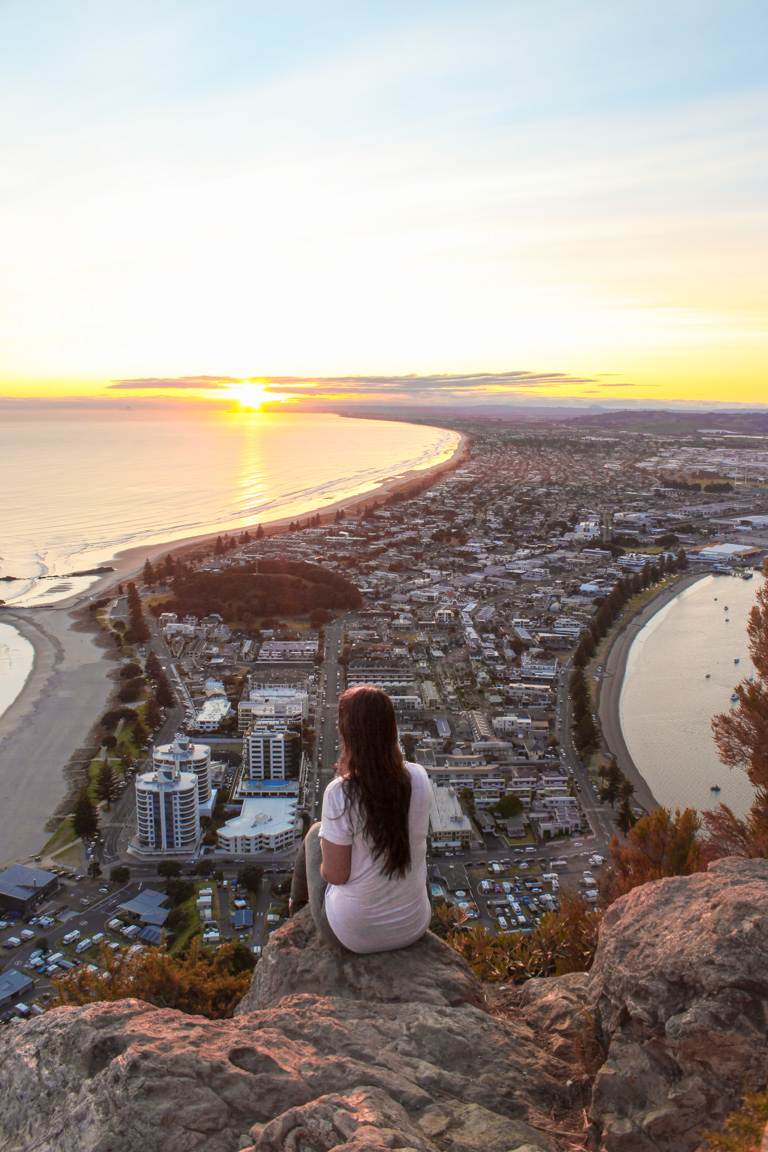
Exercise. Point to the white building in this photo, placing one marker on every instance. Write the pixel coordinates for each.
(288, 651)
(449, 827)
(272, 702)
(270, 751)
(268, 822)
(167, 812)
(187, 757)
(212, 713)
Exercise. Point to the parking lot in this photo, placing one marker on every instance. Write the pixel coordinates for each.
(69, 929)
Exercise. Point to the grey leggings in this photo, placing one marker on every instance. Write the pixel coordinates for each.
(308, 886)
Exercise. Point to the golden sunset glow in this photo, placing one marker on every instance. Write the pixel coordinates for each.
(249, 394)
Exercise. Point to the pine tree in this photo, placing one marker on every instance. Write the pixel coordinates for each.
(149, 572)
(85, 819)
(106, 782)
(152, 713)
(259, 533)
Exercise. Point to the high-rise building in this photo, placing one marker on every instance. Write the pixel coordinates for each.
(187, 757)
(167, 811)
(271, 751)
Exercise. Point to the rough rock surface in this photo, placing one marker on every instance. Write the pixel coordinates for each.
(398, 1051)
(672, 1020)
(423, 1067)
(301, 965)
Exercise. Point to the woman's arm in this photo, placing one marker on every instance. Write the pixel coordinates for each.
(337, 861)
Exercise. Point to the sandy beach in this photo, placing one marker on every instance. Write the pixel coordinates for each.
(69, 685)
(615, 664)
(50, 719)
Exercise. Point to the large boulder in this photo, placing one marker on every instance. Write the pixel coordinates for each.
(388, 1051)
(429, 972)
(672, 1020)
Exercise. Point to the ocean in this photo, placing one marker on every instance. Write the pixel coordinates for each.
(79, 486)
(680, 673)
(16, 659)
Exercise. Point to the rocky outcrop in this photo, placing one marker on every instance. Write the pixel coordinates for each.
(673, 1016)
(399, 1051)
(388, 1051)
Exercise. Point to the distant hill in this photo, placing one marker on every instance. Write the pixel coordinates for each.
(675, 422)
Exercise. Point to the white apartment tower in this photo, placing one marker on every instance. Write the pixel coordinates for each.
(167, 810)
(187, 757)
(268, 750)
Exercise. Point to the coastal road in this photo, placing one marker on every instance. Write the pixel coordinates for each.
(600, 817)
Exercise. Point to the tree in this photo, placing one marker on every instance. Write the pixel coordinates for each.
(152, 713)
(149, 572)
(169, 868)
(613, 777)
(131, 690)
(120, 874)
(741, 736)
(204, 867)
(508, 806)
(408, 742)
(106, 782)
(625, 817)
(663, 843)
(250, 877)
(178, 890)
(94, 869)
(137, 631)
(130, 671)
(85, 819)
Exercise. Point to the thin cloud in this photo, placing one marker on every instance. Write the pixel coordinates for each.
(177, 383)
(434, 386)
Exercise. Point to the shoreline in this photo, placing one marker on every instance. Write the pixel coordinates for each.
(130, 561)
(612, 683)
(70, 682)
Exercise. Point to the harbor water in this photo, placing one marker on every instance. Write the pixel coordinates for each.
(681, 672)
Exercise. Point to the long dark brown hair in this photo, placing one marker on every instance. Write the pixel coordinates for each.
(377, 784)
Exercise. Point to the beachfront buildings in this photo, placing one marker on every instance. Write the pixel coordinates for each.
(186, 756)
(167, 811)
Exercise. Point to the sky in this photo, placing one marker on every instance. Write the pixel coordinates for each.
(419, 202)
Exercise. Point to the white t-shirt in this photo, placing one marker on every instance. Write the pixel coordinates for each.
(373, 912)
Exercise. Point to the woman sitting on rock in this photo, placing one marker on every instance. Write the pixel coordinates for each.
(363, 868)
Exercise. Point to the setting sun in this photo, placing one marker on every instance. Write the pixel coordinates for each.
(249, 394)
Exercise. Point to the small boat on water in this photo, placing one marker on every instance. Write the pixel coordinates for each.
(725, 608)
(707, 675)
(747, 574)
(734, 697)
(736, 659)
(714, 788)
